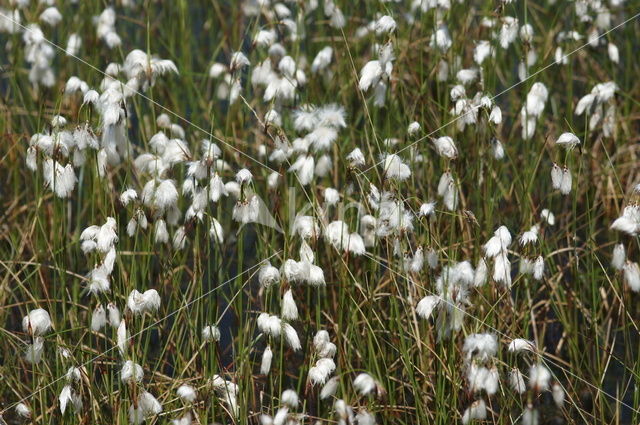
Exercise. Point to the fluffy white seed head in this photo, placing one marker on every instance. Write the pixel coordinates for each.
(37, 322)
(187, 393)
(289, 308)
(539, 377)
(265, 364)
(619, 257)
(426, 306)
(364, 384)
(210, 333)
(131, 372)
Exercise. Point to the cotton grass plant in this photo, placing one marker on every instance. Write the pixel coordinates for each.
(319, 212)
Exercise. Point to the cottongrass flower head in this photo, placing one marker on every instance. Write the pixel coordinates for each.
(33, 352)
(558, 394)
(228, 391)
(147, 407)
(139, 303)
(98, 318)
(477, 411)
(394, 168)
(446, 147)
(187, 393)
(529, 237)
(629, 221)
(632, 275)
(568, 140)
(23, 410)
(520, 344)
(548, 217)
(619, 257)
(210, 333)
(516, 381)
(329, 388)
(289, 398)
(413, 128)
(426, 306)
(539, 377)
(289, 308)
(481, 378)
(37, 322)
(480, 346)
(265, 363)
(69, 396)
(365, 384)
(268, 275)
(131, 372)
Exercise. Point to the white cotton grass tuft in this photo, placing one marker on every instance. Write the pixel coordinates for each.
(386, 24)
(448, 190)
(331, 196)
(238, 61)
(558, 395)
(629, 221)
(529, 237)
(446, 147)
(324, 348)
(228, 391)
(147, 406)
(356, 158)
(364, 384)
(548, 217)
(187, 393)
(69, 396)
(538, 268)
(268, 275)
(481, 378)
(140, 303)
(427, 209)
(289, 398)
(210, 333)
(426, 306)
(98, 318)
(37, 322)
(216, 232)
(131, 372)
(267, 357)
(632, 275)
(619, 257)
(481, 346)
(413, 128)
(329, 388)
(74, 374)
(33, 352)
(365, 418)
(289, 308)
(539, 377)
(320, 372)
(394, 168)
(23, 410)
(244, 176)
(498, 243)
(51, 16)
(530, 416)
(520, 344)
(516, 381)
(291, 337)
(476, 411)
(568, 140)
(61, 179)
(322, 60)
(246, 211)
